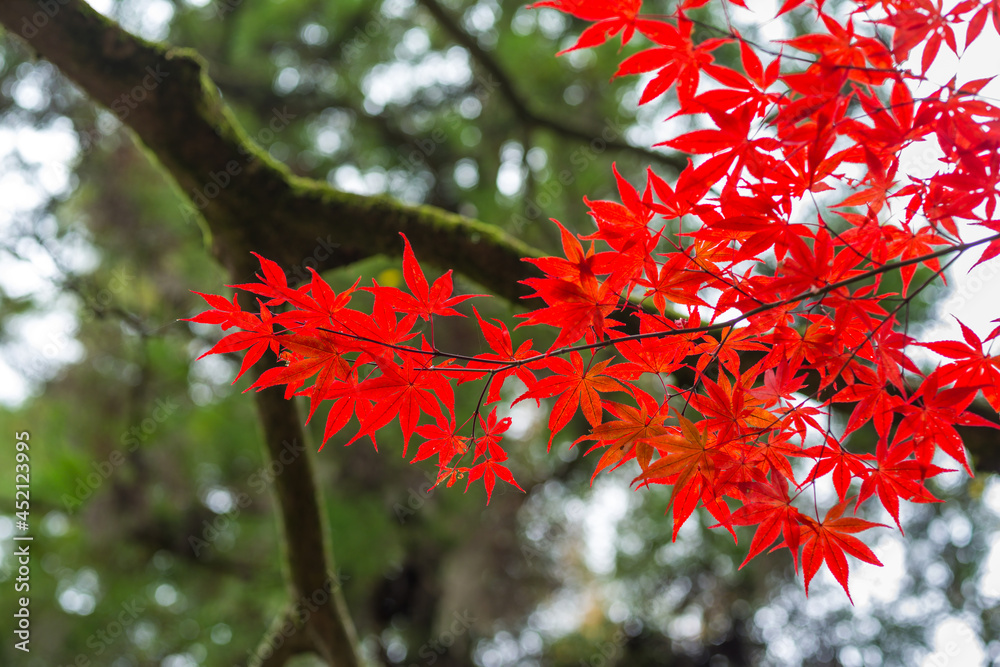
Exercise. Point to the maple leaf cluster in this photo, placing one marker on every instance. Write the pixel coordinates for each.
(708, 326)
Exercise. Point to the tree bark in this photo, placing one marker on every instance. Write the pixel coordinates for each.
(248, 202)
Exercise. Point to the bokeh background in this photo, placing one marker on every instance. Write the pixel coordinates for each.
(156, 541)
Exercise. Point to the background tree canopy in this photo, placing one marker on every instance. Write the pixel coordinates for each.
(148, 149)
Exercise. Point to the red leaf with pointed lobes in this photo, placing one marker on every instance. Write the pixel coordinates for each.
(441, 439)
(273, 283)
(769, 507)
(574, 309)
(831, 541)
(612, 17)
(678, 281)
(685, 198)
(688, 463)
(910, 245)
(257, 332)
(347, 402)
(498, 338)
(996, 332)
(993, 248)
(624, 226)
(789, 5)
(633, 427)
(844, 465)
(489, 470)
(425, 300)
(489, 442)
(319, 355)
(405, 391)
(751, 64)
(972, 366)
(653, 355)
(873, 403)
(575, 386)
(897, 477)
(577, 265)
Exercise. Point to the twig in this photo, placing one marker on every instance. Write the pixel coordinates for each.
(520, 105)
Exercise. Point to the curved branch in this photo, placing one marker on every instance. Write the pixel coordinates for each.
(522, 109)
(250, 201)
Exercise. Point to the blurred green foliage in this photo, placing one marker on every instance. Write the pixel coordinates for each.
(156, 542)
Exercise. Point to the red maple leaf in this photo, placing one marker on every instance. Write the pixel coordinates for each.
(489, 470)
(973, 367)
(319, 354)
(405, 391)
(895, 477)
(631, 434)
(688, 461)
(441, 439)
(677, 60)
(929, 420)
(257, 332)
(832, 541)
(769, 507)
(504, 361)
(425, 301)
(576, 386)
(611, 16)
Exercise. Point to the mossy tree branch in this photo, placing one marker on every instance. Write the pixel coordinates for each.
(317, 609)
(521, 105)
(250, 201)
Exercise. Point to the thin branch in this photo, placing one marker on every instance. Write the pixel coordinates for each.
(705, 328)
(885, 268)
(248, 200)
(521, 106)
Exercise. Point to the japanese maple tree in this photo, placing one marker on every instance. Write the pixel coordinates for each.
(711, 323)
